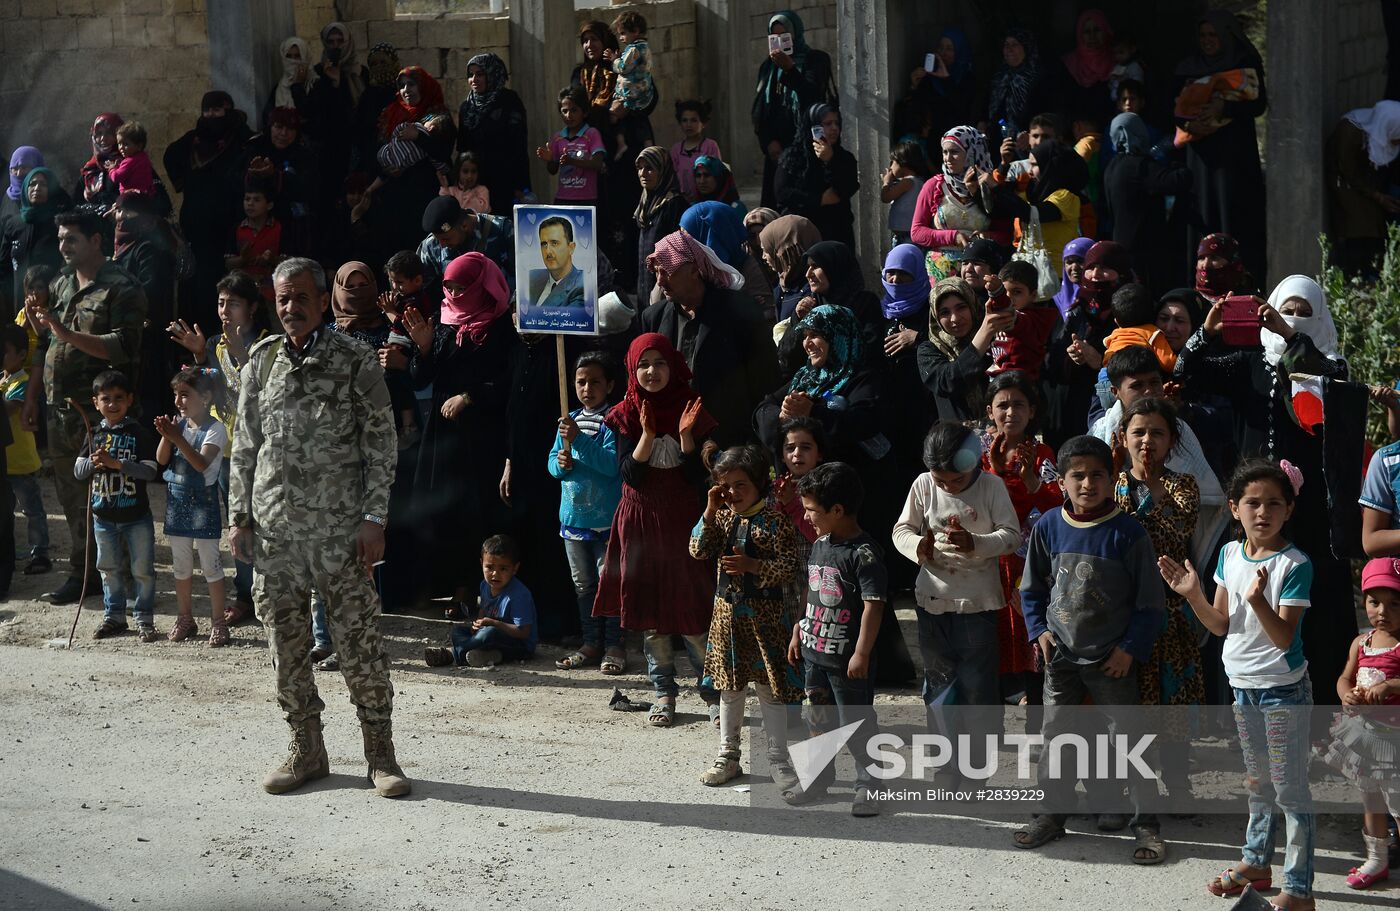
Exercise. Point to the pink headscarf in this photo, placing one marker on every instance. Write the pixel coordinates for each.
(676, 249)
(1090, 66)
(485, 296)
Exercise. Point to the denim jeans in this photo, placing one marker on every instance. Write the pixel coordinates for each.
(1274, 728)
(464, 640)
(854, 700)
(661, 665)
(1067, 687)
(960, 654)
(30, 499)
(585, 565)
(243, 572)
(320, 626)
(131, 545)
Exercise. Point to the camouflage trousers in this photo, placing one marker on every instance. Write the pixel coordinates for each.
(284, 573)
(66, 437)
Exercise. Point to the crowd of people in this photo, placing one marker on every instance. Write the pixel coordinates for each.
(1070, 381)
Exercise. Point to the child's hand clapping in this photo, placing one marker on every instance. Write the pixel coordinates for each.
(419, 329)
(784, 489)
(648, 422)
(957, 536)
(1025, 455)
(167, 428)
(542, 153)
(1180, 579)
(689, 416)
(1255, 595)
(389, 303)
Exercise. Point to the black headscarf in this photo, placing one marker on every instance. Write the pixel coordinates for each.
(1061, 168)
(1236, 50)
(842, 272)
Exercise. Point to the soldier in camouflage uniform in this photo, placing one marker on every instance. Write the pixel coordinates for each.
(93, 323)
(308, 492)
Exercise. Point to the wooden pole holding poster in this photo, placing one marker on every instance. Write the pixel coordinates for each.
(563, 378)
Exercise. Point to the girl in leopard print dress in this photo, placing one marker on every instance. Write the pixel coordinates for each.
(756, 546)
(1166, 503)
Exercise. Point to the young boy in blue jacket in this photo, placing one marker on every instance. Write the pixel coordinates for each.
(584, 458)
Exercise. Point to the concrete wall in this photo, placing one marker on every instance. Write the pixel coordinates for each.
(1359, 45)
(65, 61)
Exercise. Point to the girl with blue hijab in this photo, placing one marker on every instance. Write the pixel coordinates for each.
(721, 228)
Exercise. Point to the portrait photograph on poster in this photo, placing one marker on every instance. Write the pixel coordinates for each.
(556, 269)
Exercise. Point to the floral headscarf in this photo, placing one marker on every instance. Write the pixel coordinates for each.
(971, 141)
(839, 327)
(476, 106)
(383, 65)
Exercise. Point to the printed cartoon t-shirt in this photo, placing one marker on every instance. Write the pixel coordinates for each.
(841, 577)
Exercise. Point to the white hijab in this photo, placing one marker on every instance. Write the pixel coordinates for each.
(282, 97)
(1382, 127)
(1319, 327)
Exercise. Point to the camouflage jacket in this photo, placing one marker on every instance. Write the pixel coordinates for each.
(315, 449)
(113, 308)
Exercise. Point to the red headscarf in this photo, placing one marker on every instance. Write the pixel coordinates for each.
(95, 170)
(484, 298)
(1216, 283)
(429, 100)
(665, 406)
(1090, 66)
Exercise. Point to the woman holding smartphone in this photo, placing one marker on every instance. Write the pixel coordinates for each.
(817, 177)
(790, 81)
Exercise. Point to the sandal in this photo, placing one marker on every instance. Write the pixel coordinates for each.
(663, 714)
(1041, 830)
(577, 660)
(613, 664)
(218, 636)
(328, 663)
(110, 627)
(184, 628)
(1149, 848)
(1230, 883)
(713, 708)
(796, 796)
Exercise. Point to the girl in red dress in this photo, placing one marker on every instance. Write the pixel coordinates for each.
(1027, 466)
(649, 578)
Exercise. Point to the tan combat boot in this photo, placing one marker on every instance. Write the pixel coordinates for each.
(305, 762)
(384, 772)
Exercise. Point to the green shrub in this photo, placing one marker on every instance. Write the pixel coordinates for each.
(1367, 314)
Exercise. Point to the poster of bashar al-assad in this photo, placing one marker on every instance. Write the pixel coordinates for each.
(556, 269)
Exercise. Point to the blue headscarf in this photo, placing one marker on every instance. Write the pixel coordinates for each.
(719, 227)
(962, 61)
(24, 156)
(1129, 136)
(839, 327)
(727, 193)
(770, 85)
(1064, 298)
(910, 297)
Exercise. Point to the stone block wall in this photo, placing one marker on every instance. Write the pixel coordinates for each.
(65, 61)
(1360, 57)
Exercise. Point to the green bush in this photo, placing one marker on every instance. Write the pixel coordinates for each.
(1367, 313)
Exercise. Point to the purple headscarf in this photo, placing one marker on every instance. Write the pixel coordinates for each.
(909, 297)
(24, 156)
(1064, 298)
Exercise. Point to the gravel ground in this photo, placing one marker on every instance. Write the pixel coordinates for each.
(131, 780)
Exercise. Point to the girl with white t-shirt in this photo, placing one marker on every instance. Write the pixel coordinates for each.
(193, 446)
(1264, 585)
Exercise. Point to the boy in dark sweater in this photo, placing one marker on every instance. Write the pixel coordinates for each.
(1093, 610)
(847, 587)
(120, 457)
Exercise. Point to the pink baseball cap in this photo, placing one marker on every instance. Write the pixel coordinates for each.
(1382, 572)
